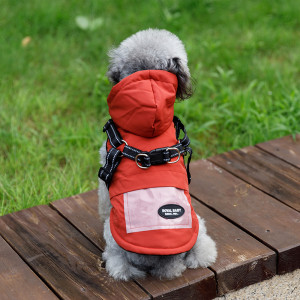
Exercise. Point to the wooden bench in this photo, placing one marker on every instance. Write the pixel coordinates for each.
(250, 199)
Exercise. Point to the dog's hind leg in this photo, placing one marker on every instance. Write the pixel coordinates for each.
(204, 252)
(117, 264)
(104, 206)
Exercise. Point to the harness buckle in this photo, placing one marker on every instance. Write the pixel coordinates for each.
(136, 160)
(175, 161)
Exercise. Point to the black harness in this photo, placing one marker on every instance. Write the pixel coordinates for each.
(143, 159)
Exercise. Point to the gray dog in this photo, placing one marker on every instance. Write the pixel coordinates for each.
(150, 49)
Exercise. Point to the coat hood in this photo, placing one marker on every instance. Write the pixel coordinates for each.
(143, 103)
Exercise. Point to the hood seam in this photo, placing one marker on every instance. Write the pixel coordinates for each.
(155, 106)
(150, 99)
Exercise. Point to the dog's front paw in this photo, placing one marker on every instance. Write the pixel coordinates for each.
(203, 254)
(118, 267)
(170, 270)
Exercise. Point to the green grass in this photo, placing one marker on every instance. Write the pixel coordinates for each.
(244, 57)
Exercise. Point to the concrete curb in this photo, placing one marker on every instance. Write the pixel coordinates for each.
(284, 287)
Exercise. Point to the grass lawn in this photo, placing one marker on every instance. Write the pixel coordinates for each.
(244, 57)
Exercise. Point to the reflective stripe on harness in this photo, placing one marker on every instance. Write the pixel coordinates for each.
(113, 158)
(143, 159)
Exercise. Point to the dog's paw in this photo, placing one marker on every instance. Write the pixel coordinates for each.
(118, 267)
(203, 254)
(169, 271)
(125, 273)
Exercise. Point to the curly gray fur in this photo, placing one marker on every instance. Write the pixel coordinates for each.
(151, 49)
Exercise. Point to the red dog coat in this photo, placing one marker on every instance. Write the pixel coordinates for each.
(151, 208)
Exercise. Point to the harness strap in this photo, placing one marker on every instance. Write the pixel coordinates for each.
(142, 158)
(113, 159)
(179, 126)
(190, 151)
(113, 134)
(154, 157)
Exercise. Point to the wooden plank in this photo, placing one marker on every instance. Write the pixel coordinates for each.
(242, 260)
(265, 171)
(286, 148)
(17, 280)
(272, 222)
(81, 210)
(193, 284)
(62, 256)
(233, 263)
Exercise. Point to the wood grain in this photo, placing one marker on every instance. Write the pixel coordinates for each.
(66, 260)
(17, 280)
(193, 284)
(265, 171)
(233, 265)
(251, 211)
(242, 260)
(81, 210)
(272, 222)
(286, 148)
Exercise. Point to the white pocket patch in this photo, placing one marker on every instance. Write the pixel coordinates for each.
(156, 208)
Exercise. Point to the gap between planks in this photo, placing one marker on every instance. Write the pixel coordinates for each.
(248, 208)
(260, 169)
(69, 263)
(210, 207)
(81, 211)
(286, 148)
(70, 206)
(14, 272)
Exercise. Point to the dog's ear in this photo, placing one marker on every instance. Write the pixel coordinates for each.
(114, 71)
(184, 90)
(113, 74)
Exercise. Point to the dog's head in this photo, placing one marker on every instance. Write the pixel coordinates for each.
(151, 49)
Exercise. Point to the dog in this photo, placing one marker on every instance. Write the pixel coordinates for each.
(151, 49)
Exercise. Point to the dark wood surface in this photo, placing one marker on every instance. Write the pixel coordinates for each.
(81, 211)
(62, 256)
(286, 148)
(242, 260)
(249, 199)
(194, 284)
(237, 248)
(15, 274)
(265, 171)
(270, 221)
